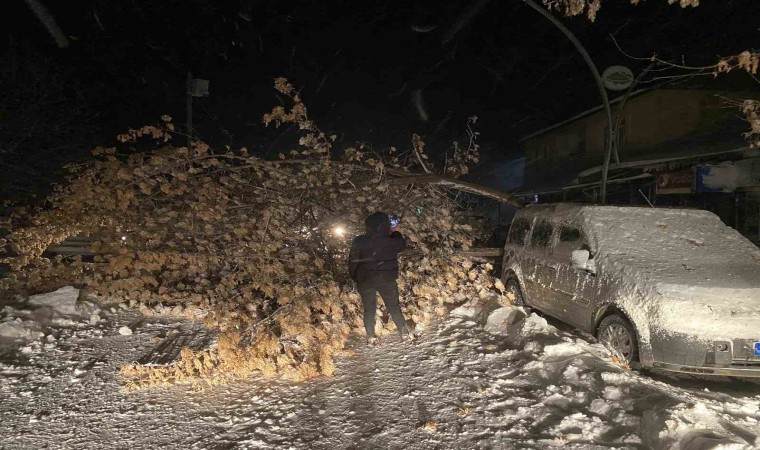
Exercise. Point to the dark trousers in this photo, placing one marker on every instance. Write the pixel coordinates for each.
(369, 285)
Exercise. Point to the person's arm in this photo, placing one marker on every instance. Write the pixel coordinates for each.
(398, 240)
(353, 258)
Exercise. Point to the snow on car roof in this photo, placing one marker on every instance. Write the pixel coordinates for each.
(680, 246)
(638, 234)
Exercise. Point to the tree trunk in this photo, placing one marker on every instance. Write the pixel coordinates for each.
(405, 177)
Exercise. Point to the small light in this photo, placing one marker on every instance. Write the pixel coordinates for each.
(339, 230)
(123, 238)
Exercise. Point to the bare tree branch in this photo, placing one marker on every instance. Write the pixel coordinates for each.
(431, 178)
(417, 144)
(47, 19)
(463, 20)
(551, 69)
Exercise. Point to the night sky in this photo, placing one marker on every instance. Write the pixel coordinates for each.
(358, 65)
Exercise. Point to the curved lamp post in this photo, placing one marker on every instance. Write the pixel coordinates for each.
(602, 91)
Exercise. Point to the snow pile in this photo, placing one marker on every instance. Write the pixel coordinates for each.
(521, 384)
(503, 318)
(16, 328)
(62, 302)
(588, 399)
(62, 308)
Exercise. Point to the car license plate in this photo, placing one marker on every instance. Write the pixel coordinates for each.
(757, 348)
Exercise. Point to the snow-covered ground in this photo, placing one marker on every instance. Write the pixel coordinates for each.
(476, 379)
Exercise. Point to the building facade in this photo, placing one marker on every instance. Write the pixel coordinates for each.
(675, 147)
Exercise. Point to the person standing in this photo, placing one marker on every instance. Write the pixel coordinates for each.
(373, 265)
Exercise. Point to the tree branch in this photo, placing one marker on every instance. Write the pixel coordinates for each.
(418, 145)
(47, 19)
(463, 20)
(465, 186)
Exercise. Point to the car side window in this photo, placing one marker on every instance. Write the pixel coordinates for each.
(542, 234)
(570, 239)
(519, 231)
(569, 234)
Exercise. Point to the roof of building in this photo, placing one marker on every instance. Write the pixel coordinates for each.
(583, 114)
(737, 81)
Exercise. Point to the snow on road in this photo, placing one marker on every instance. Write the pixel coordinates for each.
(476, 379)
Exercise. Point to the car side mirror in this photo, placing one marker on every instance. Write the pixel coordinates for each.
(580, 259)
(591, 266)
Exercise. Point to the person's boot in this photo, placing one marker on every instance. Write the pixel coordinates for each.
(406, 336)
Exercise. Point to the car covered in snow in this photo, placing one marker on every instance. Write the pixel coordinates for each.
(667, 288)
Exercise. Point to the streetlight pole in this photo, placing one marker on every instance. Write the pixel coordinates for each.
(600, 85)
(619, 112)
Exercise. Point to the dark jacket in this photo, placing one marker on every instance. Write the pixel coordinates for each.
(375, 253)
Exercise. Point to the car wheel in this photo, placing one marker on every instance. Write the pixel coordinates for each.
(513, 287)
(618, 335)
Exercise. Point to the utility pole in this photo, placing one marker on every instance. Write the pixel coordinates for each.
(602, 91)
(189, 107)
(618, 116)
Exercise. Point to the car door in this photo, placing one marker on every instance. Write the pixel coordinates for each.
(571, 305)
(516, 241)
(516, 253)
(539, 273)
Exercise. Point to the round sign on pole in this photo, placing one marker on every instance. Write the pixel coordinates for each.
(617, 78)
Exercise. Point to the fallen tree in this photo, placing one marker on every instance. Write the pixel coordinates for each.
(434, 179)
(255, 249)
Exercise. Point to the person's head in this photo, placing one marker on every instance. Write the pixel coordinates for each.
(378, 223)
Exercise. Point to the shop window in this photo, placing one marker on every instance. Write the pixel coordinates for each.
(569, 234)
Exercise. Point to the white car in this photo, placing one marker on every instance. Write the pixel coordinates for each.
(669, 288)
